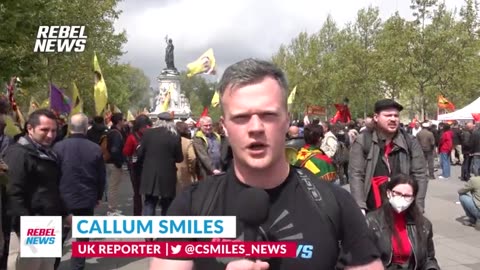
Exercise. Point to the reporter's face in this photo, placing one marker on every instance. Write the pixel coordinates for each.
(256, 120)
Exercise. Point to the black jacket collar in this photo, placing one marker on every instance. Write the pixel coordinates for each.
(78, 135)
(37, 149)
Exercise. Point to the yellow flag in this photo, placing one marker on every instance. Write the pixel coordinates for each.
(215, 99)
(100, 94)
(166, 102)
(77, 102)
(291, 97)
(204, 64)
(10, 128)
(130, 116)
(45, 104)
(116, 109)
(33, 105)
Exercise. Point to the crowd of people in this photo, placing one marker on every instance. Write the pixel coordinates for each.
(200, 168)
(58, 168)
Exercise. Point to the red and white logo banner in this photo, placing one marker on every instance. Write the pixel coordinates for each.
(185, 249)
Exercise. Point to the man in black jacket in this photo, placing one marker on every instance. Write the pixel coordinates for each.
(466, 151)
(115, 142)
(159, 151)
(33, 187)
(83, 173)
(475, 144)
(98, 130)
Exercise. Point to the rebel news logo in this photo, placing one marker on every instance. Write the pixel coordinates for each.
(40, 237)
(60, 39)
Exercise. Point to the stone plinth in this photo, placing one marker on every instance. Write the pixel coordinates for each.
(179, 104)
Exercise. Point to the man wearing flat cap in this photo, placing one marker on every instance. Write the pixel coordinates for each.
(165, 116)
(159, 151)
(378, 155)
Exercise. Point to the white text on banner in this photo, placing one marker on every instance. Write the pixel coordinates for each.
(154, 227)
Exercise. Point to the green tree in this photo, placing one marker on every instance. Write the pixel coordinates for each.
(423, 44)
(199, 93)
(465, 84)
(19, 22)
(412, 61)
(392, 55)
(367, 27)
(357, 70)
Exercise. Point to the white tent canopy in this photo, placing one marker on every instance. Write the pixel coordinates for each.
(464, 113)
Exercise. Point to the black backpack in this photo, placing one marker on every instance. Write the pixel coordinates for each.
(341, 154)
(205, 195)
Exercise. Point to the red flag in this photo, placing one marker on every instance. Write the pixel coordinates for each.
(444, 103)
(342, 115)
(204, 113)
(414, 121)
(476, 117)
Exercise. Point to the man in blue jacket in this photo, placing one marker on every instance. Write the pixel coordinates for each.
(83, 173)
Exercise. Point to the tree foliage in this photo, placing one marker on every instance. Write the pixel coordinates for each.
(19, 23)
(199, 92)
(410, 61)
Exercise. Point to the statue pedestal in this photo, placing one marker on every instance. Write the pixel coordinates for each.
(179, 104)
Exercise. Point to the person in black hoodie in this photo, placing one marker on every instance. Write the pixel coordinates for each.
(98, 130)
(466, 151)
(33, 187)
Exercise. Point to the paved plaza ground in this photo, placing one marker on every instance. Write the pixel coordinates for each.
(457, 246)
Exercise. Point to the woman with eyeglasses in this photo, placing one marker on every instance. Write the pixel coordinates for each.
(403, 234)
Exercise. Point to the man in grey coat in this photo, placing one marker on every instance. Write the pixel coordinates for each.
(376, 156)
(427, 142)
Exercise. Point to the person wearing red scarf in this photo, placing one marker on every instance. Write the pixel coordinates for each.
(403, 234)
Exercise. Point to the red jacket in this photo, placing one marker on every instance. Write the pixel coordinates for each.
(446, 142)
(130, 145)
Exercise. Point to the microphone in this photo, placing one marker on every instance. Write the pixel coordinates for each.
(252, 210)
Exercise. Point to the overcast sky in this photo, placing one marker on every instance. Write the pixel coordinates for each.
(234, 29)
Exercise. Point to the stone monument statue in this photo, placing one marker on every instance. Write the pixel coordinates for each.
(170, 97)
(169, 58)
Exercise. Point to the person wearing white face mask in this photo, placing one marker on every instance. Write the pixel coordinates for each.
(403, 235)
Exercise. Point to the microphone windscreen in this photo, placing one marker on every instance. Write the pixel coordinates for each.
(252, 206)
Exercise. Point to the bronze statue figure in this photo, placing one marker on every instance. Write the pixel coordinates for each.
(169, 54)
